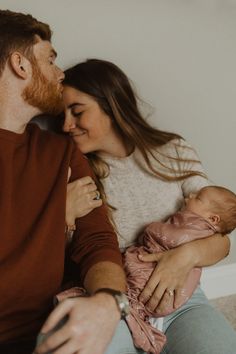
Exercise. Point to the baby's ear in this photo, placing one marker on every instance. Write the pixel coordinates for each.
(214, 219)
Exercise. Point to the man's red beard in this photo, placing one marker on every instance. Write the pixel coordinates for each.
(43, 94)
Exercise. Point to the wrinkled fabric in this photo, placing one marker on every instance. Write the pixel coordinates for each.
(180, 228)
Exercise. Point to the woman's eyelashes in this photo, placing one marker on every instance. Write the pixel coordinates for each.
(77, 114)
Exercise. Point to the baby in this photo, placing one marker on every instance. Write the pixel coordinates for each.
(211, 210)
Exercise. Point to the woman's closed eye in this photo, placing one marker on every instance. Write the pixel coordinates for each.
(77, 114)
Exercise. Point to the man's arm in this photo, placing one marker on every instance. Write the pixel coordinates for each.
(105, 275)
(90, 322)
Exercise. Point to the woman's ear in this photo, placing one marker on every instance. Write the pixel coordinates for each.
(19, 64)
(214, 219)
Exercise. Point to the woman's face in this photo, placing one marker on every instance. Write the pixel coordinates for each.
(86, 122)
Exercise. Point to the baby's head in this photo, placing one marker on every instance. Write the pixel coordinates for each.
(215, 204)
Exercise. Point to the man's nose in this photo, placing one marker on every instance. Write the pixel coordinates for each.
(61, 75)
(69, 123)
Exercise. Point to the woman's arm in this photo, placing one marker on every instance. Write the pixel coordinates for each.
(208, 251)
(173, 267)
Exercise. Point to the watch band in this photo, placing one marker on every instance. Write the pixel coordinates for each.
(121, 300)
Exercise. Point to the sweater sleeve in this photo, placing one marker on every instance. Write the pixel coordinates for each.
(195, 183)
(94, 239)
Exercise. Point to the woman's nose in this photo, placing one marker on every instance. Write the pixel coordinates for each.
(69, 124)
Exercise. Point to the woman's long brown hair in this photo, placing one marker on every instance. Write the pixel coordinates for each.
(111, 88)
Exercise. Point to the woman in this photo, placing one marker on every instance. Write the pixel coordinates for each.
(144, 174)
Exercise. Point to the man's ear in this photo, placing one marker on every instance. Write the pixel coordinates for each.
(214, 219)
(19, 65)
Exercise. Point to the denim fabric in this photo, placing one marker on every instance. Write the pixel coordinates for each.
(195, 328)
(198, 328)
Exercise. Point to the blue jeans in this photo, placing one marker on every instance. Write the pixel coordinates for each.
(195, 328)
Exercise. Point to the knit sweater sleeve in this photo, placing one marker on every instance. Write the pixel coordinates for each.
(194, 183)
(94, 239)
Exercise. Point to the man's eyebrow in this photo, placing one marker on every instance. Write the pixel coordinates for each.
(72, 105)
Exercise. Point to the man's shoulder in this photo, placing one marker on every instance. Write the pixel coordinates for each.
(48, 137)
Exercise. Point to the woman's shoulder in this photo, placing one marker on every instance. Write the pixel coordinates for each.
(178, 148)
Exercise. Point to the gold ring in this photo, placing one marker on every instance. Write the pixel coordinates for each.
(170, 292)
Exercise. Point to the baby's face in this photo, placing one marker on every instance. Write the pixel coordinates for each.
(199, 203)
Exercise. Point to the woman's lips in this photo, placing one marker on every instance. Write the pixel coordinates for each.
(77, 134)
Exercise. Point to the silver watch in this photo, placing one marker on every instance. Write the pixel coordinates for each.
(121, 300)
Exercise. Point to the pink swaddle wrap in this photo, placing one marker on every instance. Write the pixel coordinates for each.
(180, 228)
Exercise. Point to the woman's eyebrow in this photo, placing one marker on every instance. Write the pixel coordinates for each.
(72, 105)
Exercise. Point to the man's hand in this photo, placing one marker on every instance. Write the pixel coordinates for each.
(80, 199)
(89, 329)
(167, 279)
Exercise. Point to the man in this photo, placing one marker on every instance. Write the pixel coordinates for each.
(34, 171)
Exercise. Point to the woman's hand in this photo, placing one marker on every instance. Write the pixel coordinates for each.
(81, 200)
(167, 279)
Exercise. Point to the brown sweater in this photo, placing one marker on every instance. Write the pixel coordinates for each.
(33, 178)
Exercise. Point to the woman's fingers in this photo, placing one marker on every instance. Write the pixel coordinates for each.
(85, 180)
(94, 195)
(165, 288)
(82, 198)
(151, 257)
(149, 288)
(156, 297)
(153, 281)
(167, 301)
(95, 203)
(91, 187)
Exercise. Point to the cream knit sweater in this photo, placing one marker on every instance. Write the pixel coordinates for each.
(140, 197)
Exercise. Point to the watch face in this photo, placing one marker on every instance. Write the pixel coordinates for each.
(123, 304)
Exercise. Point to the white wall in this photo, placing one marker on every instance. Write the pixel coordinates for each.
(181, 55)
